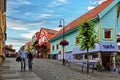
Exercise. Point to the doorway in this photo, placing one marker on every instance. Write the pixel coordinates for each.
(106, 60)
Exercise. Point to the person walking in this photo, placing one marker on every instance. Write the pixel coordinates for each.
(30, 59)
(23, 56)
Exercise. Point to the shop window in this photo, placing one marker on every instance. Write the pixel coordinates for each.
(119, 47)
(94, 56)
(107, 34)
(85, 56)
(78, 57)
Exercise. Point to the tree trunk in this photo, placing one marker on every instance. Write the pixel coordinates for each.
(87, 61)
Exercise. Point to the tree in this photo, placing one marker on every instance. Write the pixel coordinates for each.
(87, 38)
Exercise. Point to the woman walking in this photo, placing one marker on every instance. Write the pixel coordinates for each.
(23, 56)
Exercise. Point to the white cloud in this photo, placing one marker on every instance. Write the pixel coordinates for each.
(45, 15)
(101, 1)
(93, 2)
(57, 29)
(29, 35)
(90, 7)
(97, 2)
(12, 4)
(49, 10)
(18, 2)
(24, 2)
(62, 1)
(20, 26)
(27, 13)
(57, 3)
(16, 25)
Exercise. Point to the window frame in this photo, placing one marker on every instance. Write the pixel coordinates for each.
(111, 30)
(57, 46)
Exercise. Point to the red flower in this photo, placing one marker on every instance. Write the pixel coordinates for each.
(43, 45)
(37, 45)
(64, 42)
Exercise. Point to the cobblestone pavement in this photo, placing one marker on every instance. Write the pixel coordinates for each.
(54, 70)
(48, 69)
(10, 70)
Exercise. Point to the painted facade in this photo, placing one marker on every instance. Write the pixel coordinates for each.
(105, 16)
(2, 25)
(43, 36)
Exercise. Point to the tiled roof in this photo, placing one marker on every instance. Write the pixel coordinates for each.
(87, 16)
(50, 31)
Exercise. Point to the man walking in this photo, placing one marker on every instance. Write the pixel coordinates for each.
(23, 55)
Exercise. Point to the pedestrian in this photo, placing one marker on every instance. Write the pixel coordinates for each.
(23, 56)
(30, 59)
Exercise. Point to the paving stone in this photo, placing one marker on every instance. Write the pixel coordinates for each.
(10, 70)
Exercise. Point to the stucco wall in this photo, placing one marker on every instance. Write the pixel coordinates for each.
(108, 21)
(70, 38)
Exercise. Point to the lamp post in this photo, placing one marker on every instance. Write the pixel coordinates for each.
(60, 25)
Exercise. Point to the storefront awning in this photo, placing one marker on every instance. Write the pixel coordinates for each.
(101, 47)
(77, 50)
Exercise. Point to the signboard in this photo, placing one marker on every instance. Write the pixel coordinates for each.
(109, 46)
(101, 47)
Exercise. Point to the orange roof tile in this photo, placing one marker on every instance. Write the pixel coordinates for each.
(87, 16)
(50, 31)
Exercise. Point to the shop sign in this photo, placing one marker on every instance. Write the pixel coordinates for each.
(108, 46)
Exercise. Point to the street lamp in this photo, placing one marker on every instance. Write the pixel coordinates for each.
(60, 25)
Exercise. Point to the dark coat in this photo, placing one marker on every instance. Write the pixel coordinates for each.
(30, 56)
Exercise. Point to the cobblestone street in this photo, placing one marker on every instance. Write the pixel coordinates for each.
(47, 69)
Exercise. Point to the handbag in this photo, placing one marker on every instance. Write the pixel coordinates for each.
(18, 59)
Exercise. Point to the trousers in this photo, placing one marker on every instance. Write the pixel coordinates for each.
(30, 64)
(23, 63)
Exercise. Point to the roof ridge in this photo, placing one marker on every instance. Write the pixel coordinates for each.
(48, 29)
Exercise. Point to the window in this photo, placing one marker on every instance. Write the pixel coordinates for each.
(119, 47)
(43, 39)
(53, 48)
(57, 46)
(107, 34)
(78, 56)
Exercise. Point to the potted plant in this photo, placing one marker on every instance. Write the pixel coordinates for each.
(99, 66)
(64, 42)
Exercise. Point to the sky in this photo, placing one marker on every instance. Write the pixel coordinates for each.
(26, 17)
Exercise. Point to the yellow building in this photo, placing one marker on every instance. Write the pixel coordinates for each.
(2, 26)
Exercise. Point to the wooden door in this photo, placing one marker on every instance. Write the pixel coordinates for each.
(106, 62)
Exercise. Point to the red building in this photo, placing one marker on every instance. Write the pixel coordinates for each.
(43, 36)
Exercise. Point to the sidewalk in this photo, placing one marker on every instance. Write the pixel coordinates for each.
(96, 75)
(10, 70)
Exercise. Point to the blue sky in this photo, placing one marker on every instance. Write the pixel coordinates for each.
(25, 17)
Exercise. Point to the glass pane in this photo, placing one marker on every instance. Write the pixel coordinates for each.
(107, 34)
